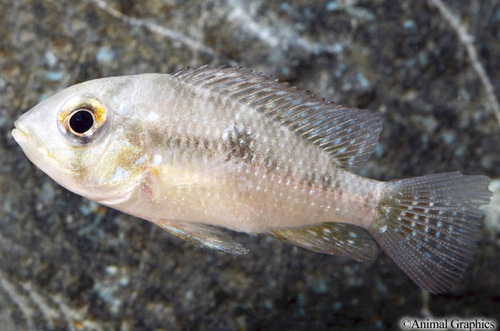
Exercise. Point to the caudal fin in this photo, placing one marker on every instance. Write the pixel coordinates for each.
(429, 226)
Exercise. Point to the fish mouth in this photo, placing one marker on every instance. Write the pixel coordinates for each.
(21, 133)
(31, 147)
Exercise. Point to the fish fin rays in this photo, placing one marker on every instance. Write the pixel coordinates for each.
(429, 226)
(202, 234)
(332, 238)
(348, 134)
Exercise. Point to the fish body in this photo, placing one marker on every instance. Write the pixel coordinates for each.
(212, 148)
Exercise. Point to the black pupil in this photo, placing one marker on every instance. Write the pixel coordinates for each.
(81, 121)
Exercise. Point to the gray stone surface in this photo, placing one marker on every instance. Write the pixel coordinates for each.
(67, 263)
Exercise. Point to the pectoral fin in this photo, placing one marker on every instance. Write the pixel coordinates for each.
(203, 234)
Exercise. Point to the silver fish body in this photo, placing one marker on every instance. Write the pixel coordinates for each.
(208, 148)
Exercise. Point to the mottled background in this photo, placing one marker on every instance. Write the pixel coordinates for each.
(430, 67)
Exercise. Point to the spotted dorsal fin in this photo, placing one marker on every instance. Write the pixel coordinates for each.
(332, 238)
(348, 134)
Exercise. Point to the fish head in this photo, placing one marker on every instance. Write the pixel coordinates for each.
(84, 138)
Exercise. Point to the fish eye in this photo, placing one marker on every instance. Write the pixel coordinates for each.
(81, 119)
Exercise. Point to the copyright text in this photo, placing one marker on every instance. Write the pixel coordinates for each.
(452, 323)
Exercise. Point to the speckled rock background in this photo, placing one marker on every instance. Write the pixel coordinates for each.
(67, 263)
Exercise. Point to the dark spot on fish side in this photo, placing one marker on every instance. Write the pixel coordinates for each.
(240, 145)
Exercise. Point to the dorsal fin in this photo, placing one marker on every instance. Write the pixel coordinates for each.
(348, 134)
(332, 238)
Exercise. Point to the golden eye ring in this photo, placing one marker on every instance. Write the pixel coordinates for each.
(82, 118)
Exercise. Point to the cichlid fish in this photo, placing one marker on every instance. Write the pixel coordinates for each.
(213, 148)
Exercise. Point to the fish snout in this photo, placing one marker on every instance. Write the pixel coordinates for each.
(20, 132)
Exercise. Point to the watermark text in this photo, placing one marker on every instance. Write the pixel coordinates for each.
(450, 323)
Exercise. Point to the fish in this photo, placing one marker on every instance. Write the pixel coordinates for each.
(211, 149)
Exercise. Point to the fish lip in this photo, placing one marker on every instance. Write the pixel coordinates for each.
(20, 132)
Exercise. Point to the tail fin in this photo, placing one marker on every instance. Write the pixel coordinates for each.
(429, 226)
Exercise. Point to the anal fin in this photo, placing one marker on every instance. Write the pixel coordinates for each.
(332, 238)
